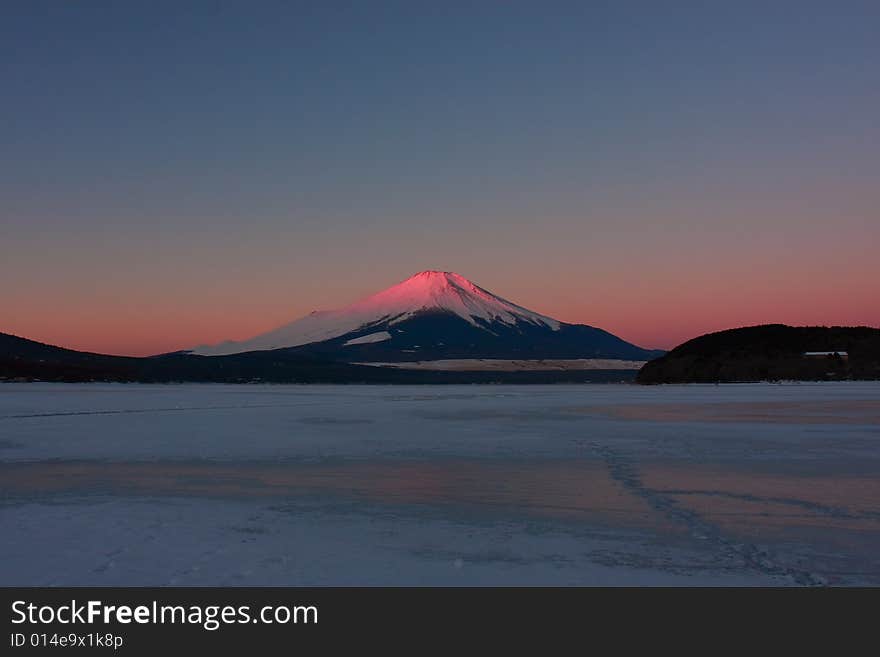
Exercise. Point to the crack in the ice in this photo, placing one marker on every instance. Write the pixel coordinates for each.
(624, 471)
(822, 509)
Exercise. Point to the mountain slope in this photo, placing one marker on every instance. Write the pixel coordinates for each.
(435, 315)
(437, 335)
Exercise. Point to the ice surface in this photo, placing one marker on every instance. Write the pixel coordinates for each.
(588, 484)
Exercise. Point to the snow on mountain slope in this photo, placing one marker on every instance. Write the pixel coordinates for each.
(426, 291)
(371, 338)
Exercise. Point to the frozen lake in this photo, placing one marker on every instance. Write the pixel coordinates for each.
(439, 485)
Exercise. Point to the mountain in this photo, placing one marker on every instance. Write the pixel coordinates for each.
(26, 360)
(435, 315)
(771, 352)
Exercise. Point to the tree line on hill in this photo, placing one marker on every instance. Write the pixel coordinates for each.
(770, 352)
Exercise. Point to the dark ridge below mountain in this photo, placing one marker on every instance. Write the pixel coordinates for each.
(27, 360)
(770, 352)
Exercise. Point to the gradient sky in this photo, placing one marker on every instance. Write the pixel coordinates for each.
(176, 173)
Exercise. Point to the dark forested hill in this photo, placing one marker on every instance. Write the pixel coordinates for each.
(770, 352)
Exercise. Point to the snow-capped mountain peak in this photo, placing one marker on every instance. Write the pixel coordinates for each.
(424, 292)
(444, 290)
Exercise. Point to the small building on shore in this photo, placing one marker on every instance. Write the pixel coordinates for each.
(827, 354)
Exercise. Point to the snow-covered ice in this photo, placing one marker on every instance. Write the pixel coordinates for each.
(441, 485)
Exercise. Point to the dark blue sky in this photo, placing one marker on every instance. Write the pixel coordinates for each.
(167, 155)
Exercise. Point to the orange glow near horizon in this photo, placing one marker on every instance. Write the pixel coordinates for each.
(645, 315)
